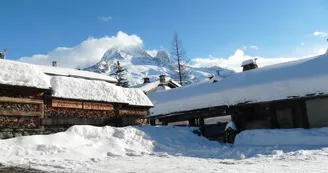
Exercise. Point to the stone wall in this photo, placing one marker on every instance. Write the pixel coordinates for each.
(6, 133)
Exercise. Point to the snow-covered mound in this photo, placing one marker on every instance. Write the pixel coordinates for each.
(272, 137)
(22, 74)
(109, 149)
(87, 142)
(139, 64)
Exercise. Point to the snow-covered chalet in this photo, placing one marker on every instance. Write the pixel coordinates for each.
(287, 95)
(33, 96)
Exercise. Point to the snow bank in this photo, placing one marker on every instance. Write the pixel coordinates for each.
(87, 142)
(22, 74)
(75, 88)
(264, 84)
(294, 137)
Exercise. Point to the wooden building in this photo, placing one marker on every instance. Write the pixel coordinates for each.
(285, 95)
(32, 96)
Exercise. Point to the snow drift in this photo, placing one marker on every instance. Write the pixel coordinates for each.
(86, 142)
(283, 137)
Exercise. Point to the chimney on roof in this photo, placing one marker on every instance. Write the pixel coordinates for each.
(162, 79)
(54, 63)
(146, 80)
(249, 64)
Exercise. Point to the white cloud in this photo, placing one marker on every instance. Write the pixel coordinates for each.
(105, 18)
(321, 34)
(253, 47)
(86, 53)
(234, 61)
(302, 44)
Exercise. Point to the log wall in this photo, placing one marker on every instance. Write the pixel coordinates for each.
(133, 116)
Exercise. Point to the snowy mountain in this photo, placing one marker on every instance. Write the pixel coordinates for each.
(140, 63)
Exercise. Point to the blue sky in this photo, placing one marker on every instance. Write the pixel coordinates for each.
(213, 28)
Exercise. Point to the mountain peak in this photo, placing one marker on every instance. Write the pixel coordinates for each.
(124, 52)
(140, 63)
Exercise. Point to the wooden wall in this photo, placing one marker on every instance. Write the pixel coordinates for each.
(23, 107)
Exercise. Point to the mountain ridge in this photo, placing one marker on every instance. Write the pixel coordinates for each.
(140, 63)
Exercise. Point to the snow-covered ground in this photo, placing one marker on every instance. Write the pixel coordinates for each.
(166, 149)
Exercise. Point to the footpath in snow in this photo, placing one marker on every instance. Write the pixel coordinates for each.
(88, 148)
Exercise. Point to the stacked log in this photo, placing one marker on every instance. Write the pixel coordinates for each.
(133, 116)
(21, 107)
(18, 122)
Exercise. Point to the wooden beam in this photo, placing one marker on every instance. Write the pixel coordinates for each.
(20, 100)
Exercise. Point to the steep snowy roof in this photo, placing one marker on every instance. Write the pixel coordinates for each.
(77, 88)
(22, 74)
(59, 71)
(276, 82)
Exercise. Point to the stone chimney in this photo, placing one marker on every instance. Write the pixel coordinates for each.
(249, 64)
(146, 80)
(162, 79)
(54, 63)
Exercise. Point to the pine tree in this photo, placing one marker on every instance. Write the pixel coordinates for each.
(120, 73)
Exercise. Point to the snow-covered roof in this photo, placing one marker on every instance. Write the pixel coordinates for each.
(59, 71)
(276, 82)
(247, 62)
(163, 88)
(22, 74)
(146, 87)
(77, 88)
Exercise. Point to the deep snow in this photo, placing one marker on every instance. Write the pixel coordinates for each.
(22, 74)
(74, 88)
(59, 71)
(163, 149)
